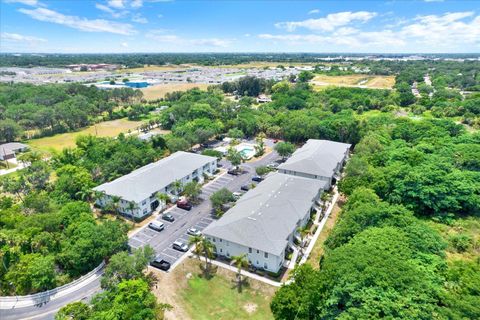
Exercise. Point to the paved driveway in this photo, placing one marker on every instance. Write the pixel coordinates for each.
(199, 217)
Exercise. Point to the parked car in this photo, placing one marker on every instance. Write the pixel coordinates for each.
(237, 195)
(245, 187)
(185, 205)
(168, 217)
(233, 172)
(156, 225)
(160, 264)
(180, 246)
(272, 165)
(257, 178)
(194, 232)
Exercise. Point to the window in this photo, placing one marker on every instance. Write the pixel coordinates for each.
(265, 265)
(221, 240)
(214, 240)
(266, 255)
(221, 250)
(249, 250)
(144, 211)
(228, 254)
(258, 251)
(257, 263)
(144, 202)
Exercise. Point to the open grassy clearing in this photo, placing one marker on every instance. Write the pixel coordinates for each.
(103, 129)
(355, 80)
(159, 91)
(462, 236)
(318, 248)
(194, 297)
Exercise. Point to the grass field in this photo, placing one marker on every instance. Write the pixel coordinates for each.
(195, 297)
(63, 140)
(318, 248)
(356, 80)
(159, 91)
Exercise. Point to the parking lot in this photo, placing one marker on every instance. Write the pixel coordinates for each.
(199, 217)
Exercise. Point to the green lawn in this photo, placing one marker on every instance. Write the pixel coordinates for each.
(103, 129)
(218, 299)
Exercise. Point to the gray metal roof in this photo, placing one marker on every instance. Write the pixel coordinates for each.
(265, 216)
(143, 182)
(11, 147)
(317, 157)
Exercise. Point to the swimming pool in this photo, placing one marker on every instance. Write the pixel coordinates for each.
(247, 150)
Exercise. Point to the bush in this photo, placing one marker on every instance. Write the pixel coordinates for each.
(461, 242)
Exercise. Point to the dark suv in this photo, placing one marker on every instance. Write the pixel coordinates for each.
(160, 264)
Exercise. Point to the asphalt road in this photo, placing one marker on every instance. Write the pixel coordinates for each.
(199, 217)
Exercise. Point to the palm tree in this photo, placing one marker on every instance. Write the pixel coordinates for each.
(177, 186)
(163, 198)
(205, 247)
(116, 204)
(240, 262)
(132, 206)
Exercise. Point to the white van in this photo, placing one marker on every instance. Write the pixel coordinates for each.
(156, 225)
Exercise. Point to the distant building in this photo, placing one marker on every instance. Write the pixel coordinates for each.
(141, 187)
(9, 150)
(317, 159)
(263, 99)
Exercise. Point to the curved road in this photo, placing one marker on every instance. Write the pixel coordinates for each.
(47, 311)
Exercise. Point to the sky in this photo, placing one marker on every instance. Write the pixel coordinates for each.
(127, 26)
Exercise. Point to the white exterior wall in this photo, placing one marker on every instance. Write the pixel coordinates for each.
(144, 206)
(256, 258)
(307, 175)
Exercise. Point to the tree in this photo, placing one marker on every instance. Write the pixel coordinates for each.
(32, 273)
(240, 262)
(284, 149)
(74, 311)
(9, 131)
(192, 191)
(132, 206)
(115, 200)
(175, 144)
(74, 182)
(123, 266)
(234, 156)
(262, 170)
(221, 197)
(235, 133)
(131, 299)
(260, 146)
(204, 247)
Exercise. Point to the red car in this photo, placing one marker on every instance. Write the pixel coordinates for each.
(183, 204)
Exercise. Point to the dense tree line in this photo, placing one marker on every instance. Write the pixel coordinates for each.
(381, 260)
(49, 109)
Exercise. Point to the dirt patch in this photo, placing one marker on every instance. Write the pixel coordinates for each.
(355, 80)
(250, 307)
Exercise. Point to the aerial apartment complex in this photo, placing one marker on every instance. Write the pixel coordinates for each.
(264, 222)
(138, 190)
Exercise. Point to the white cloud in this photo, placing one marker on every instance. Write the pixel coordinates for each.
(136, 4)
(160, 16)
(83, 24)
(161, 36)
(118, 4)
(32, 3)
(449, 32)
(15, 37)
(139, 19)
(124, 44)
(314, 11)
(329, 22)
